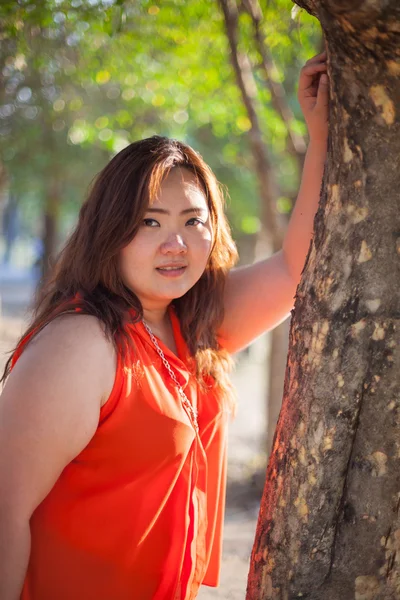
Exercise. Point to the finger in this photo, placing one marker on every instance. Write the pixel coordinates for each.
(314, 68)
(323, 92)
(318, 55)
(317, 58)
(320, 61)
(309, 74)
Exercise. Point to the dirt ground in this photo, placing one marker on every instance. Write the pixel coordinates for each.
(246, 462)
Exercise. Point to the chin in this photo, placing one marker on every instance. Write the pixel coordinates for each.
(173, 295)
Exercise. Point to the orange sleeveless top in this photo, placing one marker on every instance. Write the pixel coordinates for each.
(138, 514)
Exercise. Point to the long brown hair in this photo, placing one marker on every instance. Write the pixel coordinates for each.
(86, 274)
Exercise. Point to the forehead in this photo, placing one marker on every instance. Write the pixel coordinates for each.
(181, 186)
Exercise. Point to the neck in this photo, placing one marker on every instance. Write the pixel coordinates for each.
(156, 318)
(160, 325)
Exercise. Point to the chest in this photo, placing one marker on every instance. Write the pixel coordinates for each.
(148, 426)
(164, 334)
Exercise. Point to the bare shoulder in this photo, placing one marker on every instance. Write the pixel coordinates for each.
(72, 328)
(50, 407)
(78, 342)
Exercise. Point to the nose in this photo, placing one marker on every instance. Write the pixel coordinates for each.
(174, 244)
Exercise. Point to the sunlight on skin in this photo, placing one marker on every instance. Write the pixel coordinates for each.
(176, 232)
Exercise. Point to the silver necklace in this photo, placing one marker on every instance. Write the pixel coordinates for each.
(191, 412)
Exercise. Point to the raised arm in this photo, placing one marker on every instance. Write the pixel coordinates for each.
(49, 411)
(260, 296)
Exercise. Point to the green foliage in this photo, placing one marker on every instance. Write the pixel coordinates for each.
(83, 78)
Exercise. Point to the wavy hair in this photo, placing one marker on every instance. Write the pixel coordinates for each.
(86, 274)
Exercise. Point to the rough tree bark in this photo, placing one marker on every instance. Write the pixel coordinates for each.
(329, 523)
(277, 364)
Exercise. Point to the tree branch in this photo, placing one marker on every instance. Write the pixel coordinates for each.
(355, 11)
(308, 5)
(245, 81)
(295, 142)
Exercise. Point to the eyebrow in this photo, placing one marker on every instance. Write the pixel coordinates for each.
(195, 210)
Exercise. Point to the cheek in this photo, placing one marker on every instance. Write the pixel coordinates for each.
(201, 248)
(208, 242)
(126, 258)
(205, 239)
(136, 252)
(131, 258)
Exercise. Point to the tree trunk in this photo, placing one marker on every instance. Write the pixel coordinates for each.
(277, 363)
(50, 224)
(329, 523)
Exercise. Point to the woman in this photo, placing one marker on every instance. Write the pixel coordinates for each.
(113, 419)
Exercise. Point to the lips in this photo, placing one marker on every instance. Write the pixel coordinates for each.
(171, 266)
(171, 270)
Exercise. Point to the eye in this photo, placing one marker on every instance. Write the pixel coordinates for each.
(151, 223)
(195, 221)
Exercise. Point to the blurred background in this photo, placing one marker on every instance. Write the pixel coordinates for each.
(80, 80)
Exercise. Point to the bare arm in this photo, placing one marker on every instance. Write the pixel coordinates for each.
(15, 544)
(49, 411)
(300, 229)
(259, 297)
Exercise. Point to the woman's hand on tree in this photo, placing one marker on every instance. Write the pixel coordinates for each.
(313, 95)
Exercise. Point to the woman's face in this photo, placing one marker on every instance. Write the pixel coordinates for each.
(170, 251)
